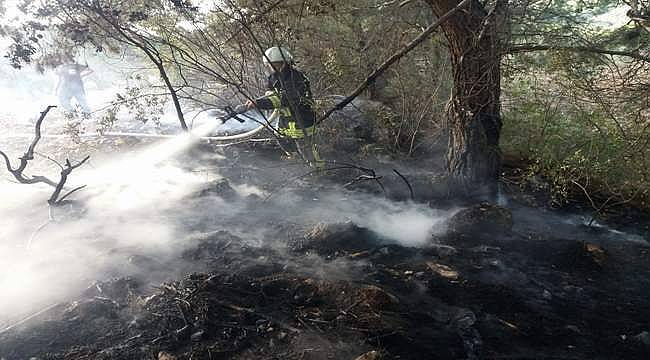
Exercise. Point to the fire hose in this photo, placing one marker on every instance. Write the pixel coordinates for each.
(230, 114)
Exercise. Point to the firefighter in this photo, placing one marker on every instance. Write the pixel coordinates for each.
(70, 86)
(288, 92)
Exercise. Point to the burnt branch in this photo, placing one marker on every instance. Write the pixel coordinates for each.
(54, 199)
(369, 175)
(29, 155)
(34, 179)
(361, 178)
(406, 182)
(70, 193)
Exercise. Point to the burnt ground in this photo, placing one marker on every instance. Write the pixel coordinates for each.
(501, 283)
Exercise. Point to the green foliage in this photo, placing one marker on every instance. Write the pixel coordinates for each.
(556, 21)
(575, 144)
(579, 117)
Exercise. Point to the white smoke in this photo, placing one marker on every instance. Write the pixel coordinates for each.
(411, 225)
(132, 205)
(125, 207)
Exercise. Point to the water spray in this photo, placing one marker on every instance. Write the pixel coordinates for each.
(200, 133)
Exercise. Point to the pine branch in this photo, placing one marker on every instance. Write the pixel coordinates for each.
(542, 47)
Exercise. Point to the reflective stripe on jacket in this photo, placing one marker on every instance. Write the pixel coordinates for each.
(295, 132)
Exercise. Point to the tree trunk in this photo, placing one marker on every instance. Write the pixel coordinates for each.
(473, 112)
(157, 61)
(174, 95)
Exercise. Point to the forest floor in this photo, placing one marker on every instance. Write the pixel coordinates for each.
(272, 274)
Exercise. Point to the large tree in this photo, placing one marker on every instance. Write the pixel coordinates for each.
(474, 108)
(479, 38)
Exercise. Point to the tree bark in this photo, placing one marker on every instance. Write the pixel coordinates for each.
(473, 112)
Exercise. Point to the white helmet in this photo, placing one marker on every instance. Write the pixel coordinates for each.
(277, 54)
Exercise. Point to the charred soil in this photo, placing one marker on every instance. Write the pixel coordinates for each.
(484, 289)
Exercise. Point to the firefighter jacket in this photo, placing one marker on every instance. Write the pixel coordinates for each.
(290, 94)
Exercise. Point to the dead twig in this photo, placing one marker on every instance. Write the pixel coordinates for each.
(255, 313)
(29, 155)
(69, 167)
(370, 175)
(70, 193)
(362, 178)
(406, 182)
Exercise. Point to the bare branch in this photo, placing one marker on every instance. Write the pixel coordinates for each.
(54, 199)
(253, 19)
(70, 193)
(51, 159)
(7, 162)
(407, 183)
(541, 47)
(29, 155)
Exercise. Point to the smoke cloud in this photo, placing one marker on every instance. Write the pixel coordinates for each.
(142, 204)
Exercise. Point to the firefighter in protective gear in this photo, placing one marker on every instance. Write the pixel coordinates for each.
(70, 85)
(288, 92)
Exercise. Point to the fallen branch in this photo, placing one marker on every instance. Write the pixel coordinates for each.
(361, 178)
(370, 175)
(406, 182)
(391, 60)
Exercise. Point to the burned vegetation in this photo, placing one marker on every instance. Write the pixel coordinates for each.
(343, 291)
